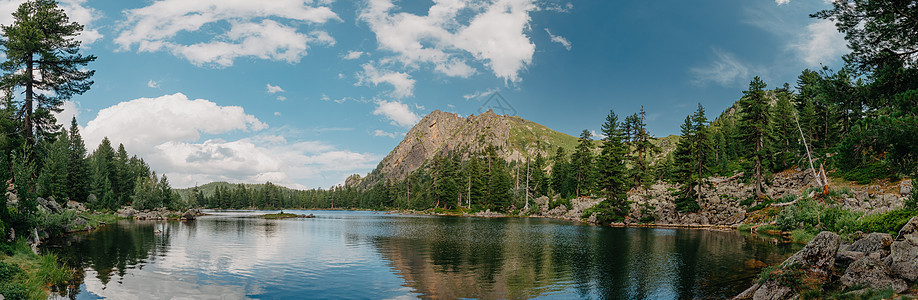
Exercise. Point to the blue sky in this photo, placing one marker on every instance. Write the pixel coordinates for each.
(304, 93)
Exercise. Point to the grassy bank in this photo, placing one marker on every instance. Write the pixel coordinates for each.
(25, 275)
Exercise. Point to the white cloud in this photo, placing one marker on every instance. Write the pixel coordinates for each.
(402, 84)
(492, 33)
(557, 7)
(69, 110)
(397, 112)
(351, 55)
(168, 132)
(76, 10)
(153, 84)
(273, 89)
(782, 2)
(725, 70)
(147, 122)
(277, 113)
(281, 98)
(559, 39)
(256, 29)
(383, 133)
(820, 43)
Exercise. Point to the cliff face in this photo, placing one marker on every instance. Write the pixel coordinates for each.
(441, 133)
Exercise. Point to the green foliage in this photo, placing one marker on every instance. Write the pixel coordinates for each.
(889, 222)
(582, 165)
(755, 129)
(55, 223)
(815, 217)
(42, 40)
(911, 203)
(802, 236)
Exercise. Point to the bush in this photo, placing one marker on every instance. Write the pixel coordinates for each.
(12, 291)
(56, 223)
(8, 272)
(889, 222)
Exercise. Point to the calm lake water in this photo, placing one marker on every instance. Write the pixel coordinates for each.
(344, 254)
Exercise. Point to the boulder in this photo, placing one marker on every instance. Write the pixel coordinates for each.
(818, 255)
(816, 259)
(843, 259)
(48, 205)
(91, 198)
(772, 290)
(188, 215)
(869, 271)
(873, 242)
(903, 260)
(905, 188)
(77, 206)
(909, 231)
(126, 212)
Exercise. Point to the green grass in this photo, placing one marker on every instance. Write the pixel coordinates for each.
(802, 236)
(27, 275)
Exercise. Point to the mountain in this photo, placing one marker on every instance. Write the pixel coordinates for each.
(440, 133)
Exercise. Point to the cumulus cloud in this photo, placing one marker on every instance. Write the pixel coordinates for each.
(402, 84)
(69, 110)
(153, 84)
(492, 33)
(169, 133)
(399, 113)
(76, 10)
(147, 122)
(256, 29)
(273, 89)
(725, 70)
(782, 2)
(820, 43)
(351, 55)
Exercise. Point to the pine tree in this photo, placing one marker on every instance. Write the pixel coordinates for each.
(612, 171)
(755, 126)
(499, 181)
(77, 166)
(560, 174)
(785, 129)
(539, 184)
(582, 164)
(701, 149)
(643, 149)
(684, 170)
(52, 182)
(42, 40)
(475, 188)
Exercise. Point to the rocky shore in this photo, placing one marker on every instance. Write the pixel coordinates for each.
(827, 265)
(128, 212)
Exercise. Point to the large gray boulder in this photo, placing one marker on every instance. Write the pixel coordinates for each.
(869, 271)
(817, 259)
(818, 255)
(873, 242)
(903, 260)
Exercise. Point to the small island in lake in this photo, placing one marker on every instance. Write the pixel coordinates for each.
(283, 215)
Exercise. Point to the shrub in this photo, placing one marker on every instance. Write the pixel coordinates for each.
(889, 222)
(911, 203)
(8, 271)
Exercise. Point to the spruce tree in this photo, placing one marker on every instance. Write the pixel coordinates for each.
(756, 129)
(612, 171)
(77, 166)
(684, 170)
(42, 40)
(701, 149)
(642, 149)
(560, 174)
(52, 182)
(582, 164)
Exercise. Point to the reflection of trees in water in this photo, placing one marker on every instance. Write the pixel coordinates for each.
(521, 258)
(112, 250)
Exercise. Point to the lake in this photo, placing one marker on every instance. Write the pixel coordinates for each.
(356, 254)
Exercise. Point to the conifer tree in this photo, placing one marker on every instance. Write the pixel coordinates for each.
(642, 149)
(684, 170)
(42, 40)
(755, 126)
(77, 167)
(612, 171)
(582, 164)
(52, 180)
(560, 174)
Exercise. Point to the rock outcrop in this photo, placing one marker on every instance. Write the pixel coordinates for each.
(874, 261)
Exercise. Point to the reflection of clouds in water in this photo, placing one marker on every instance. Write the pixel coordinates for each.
(157, 285)
(229, 250)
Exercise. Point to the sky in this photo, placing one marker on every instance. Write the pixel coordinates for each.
(305, 93)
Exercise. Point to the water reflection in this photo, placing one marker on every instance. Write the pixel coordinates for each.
(369, 255)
